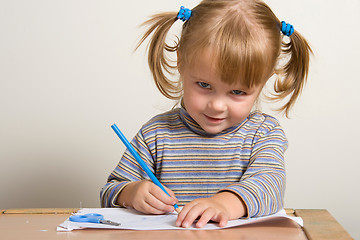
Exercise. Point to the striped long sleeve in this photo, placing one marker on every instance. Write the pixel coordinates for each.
(247, 160)
(262, 186)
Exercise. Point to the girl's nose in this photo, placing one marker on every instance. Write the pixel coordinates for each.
(217, 104)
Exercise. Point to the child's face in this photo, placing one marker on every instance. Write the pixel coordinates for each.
(213, 104)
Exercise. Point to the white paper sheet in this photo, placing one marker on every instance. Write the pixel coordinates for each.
(132, 219)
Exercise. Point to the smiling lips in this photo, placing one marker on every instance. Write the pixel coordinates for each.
(214, 120)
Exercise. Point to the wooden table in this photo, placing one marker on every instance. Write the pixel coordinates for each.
(41, 224)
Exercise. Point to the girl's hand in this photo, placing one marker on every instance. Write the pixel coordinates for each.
(220, 208)
(146, 197)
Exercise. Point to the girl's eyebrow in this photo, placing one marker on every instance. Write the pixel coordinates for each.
(197, 77)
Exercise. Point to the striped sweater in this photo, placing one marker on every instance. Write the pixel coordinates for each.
(246, 159)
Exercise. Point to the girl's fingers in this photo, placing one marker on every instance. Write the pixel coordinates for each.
(208, 215)
(162, 196)
(182, 214)
(158, 204)
(188, 215)
(151, 199)
(150, 205)
(148, 209)
(205, 210)
(172, 194)
(223, 220)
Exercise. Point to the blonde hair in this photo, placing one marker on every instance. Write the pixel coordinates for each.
(245, 40)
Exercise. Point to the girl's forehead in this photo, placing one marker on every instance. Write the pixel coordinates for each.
(202, 59)
(231, 67)
(202, 65)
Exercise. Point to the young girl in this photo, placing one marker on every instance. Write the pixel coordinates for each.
(217, 158)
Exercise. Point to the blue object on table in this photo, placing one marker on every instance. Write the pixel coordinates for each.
(92, 218)
(140, 161)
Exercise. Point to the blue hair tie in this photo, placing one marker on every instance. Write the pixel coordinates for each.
(184, 14)
(287, 29)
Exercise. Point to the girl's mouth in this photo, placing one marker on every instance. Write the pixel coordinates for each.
(214, 120)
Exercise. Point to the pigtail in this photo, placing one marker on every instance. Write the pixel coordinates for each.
(292, 76)
(158, 61)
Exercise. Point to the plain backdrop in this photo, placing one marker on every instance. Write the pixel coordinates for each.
(68, 71)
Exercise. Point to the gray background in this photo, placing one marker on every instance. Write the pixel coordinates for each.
(68, 71)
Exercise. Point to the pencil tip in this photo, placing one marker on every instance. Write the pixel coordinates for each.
(177, 210)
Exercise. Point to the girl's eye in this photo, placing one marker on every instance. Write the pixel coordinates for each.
(237, 92)
(203, 84)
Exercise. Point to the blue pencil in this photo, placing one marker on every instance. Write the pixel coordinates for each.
(141, 162)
